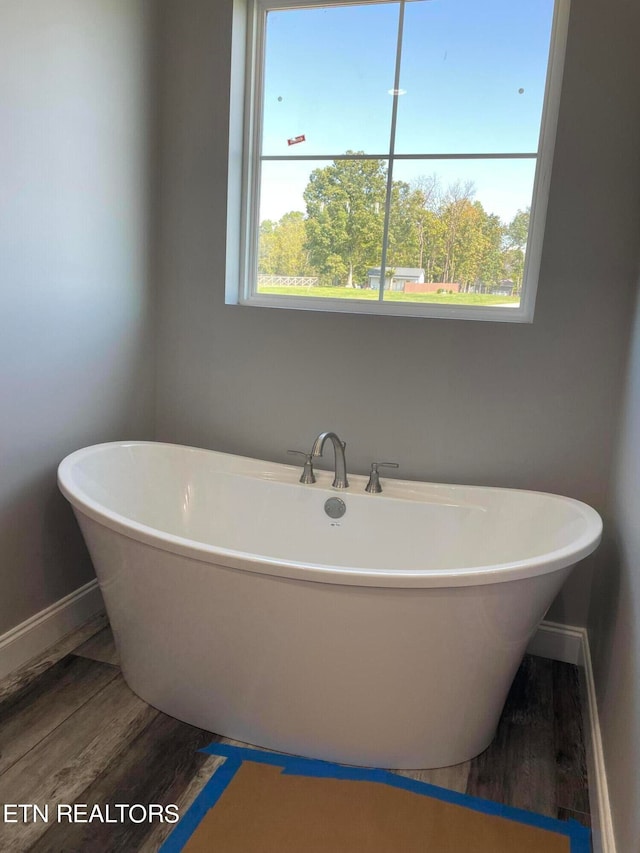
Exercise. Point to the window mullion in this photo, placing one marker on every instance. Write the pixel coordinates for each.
(392, 146)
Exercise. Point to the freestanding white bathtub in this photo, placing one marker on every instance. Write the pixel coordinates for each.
(388, 637)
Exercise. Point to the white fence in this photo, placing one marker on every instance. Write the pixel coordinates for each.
(287, 280)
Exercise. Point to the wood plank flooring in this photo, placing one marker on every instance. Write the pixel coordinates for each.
(72, 731)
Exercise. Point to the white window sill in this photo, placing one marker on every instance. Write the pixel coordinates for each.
(493, 313)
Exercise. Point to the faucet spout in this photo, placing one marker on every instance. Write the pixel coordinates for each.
(340, 480)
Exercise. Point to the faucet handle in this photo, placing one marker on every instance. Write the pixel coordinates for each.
(373, 486)
(307, 475)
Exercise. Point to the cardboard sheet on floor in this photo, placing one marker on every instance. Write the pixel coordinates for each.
(267, 811)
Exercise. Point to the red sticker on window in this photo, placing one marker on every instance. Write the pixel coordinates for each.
(295, 139)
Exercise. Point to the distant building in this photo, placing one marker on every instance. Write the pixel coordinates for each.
(401, 277)
(410, 280)
(504, 287)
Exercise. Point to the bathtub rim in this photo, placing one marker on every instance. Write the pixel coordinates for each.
(295, 570)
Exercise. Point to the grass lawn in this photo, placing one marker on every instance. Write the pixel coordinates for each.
(394, 296)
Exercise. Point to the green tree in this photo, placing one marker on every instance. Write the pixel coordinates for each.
(416, 231)
(454, 211)
(479, 242)
(467, 247)
(404, 225)
(515, 239)
(345, 218)
(472, 240)
(282, 246)
(430, 227)
(491, 259)
(517, 231)
(267, 247)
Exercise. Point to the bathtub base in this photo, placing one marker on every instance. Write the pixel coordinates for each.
(377, 677)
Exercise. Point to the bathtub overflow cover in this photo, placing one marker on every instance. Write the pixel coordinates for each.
(335, 507)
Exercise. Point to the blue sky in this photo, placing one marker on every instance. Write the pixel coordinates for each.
(474, 75)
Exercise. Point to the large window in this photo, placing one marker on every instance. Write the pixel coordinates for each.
(398, 154)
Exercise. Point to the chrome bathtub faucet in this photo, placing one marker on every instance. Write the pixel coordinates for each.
(340, 480)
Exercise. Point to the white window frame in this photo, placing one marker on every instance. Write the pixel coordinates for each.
(247, 69)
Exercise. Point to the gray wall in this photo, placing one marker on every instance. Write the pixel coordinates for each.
(614, 625)
(515, 405)
(75, 355)
(614, 615)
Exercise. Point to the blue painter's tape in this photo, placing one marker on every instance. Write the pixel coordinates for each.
(205, 800)
(579, 836)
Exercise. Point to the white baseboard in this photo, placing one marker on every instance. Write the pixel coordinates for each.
(603, 836)
(37, 634)
(559, 642)
(571, 644)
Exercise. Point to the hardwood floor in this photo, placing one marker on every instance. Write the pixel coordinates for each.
(72, 731)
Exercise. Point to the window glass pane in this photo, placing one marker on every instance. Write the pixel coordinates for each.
(458, 231)
(472, 82)
(328, 72)
(321, 227)
(473, 75)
